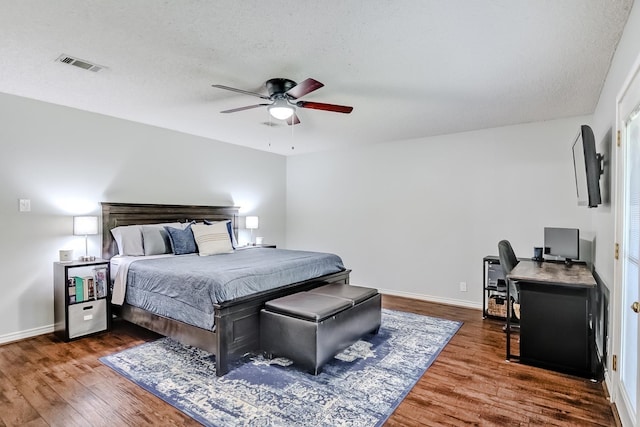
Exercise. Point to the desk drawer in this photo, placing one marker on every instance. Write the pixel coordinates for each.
(87, 317)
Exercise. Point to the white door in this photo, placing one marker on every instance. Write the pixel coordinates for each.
(626, 381)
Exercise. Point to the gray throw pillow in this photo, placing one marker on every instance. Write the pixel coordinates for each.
(156, 240)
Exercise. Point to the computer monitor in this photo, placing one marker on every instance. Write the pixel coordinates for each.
(562, 242)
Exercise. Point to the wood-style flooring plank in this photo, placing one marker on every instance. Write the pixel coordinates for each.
(15, 409)
(44, 381)
(471, 383)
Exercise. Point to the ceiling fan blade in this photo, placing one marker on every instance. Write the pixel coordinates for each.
(326, 107)
(245, 92)
(293, 120)
(303, 88)
(248, 107)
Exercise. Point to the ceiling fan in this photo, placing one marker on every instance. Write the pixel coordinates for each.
(284, 94)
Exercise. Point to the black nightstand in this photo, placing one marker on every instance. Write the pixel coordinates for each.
(81, 298)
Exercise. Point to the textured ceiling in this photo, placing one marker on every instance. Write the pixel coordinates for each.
(409, 68)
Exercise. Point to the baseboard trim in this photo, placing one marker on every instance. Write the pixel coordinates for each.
(20, 335)
(431, 298)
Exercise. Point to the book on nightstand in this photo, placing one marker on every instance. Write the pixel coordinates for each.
(90, 288)
(100, 279)
(71, 286)
(79, 288)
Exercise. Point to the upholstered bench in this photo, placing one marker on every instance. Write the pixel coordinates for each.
(311, 327)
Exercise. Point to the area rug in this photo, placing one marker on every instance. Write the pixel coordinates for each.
(361, 386)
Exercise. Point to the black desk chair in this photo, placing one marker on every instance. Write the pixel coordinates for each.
(508, 261)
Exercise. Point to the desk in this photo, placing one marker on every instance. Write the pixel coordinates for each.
(556, 329)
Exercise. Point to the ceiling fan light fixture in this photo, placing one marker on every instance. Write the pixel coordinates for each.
(284, 95)
(281, 109)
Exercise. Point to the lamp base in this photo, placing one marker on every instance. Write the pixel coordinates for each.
(87, 258)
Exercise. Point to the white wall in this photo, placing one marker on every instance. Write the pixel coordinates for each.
(417, 217)
(603, 219)
(604, 128)
(67, 161)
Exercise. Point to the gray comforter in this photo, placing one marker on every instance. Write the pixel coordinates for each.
(186, 287)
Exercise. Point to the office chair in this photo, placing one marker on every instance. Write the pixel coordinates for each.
(508, 260)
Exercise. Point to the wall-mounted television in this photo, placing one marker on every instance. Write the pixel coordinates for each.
(587, 167)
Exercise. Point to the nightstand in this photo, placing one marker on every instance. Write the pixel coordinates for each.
(81, 298)
(256, 246)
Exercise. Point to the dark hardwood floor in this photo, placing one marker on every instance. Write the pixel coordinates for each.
(44, 381)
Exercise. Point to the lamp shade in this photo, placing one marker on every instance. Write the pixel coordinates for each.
(251, 222)
(85, 225)
(281, 110)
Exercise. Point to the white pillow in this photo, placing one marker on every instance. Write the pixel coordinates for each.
(234, 242)
(212, 239)
(129, 239)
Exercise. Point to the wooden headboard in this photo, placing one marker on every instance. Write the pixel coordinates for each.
(119, 214)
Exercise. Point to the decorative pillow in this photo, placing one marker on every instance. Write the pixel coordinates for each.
(182, 241)
(212, 239)
(129, 240)
(155, 238)
(234, 242)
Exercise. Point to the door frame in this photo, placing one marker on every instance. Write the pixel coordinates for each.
(617, 397)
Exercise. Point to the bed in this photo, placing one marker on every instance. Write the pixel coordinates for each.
(237, 327)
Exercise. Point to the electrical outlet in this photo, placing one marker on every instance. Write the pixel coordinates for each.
(25, 205)
(463, 286)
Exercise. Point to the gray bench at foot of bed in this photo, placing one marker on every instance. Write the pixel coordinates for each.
(311, 327)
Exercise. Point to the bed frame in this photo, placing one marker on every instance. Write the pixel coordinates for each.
(237, 329)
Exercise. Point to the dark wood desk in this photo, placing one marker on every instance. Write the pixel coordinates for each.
(556, 328)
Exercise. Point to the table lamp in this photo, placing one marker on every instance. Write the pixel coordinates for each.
(251, 222)
(85, 226)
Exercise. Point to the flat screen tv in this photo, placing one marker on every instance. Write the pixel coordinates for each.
(587, 168)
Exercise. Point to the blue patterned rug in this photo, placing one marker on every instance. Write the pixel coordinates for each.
(361, 386)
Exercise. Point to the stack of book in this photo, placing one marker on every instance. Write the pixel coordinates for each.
(88, 287)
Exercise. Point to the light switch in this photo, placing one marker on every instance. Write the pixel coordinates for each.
(25, 205)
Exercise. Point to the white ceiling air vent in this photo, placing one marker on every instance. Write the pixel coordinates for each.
(80, 63)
